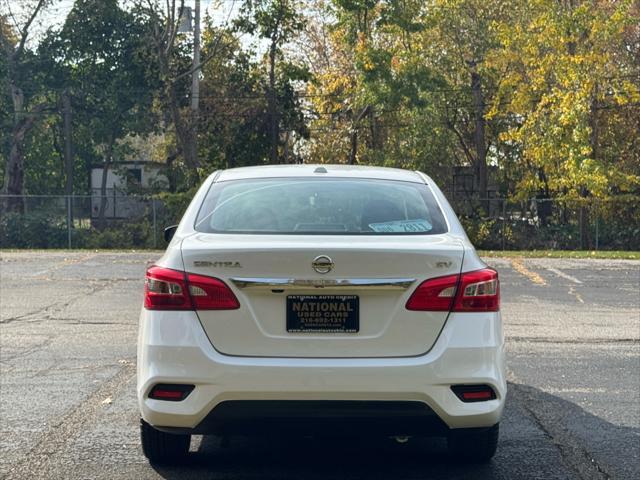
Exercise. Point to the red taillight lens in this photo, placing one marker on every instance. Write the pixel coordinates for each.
(434, 295)
(167, 289)
(170, 392)
(479, 291)
(474, 393)
(209, 293)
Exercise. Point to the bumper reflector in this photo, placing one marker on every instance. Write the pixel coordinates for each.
(474, 393)
(170, 392)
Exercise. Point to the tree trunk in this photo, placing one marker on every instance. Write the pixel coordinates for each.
(183, 137)
(171, 175)
(13, 183)
(182, 128)
(14, 165)
(594, 141)
(272, 104)
(373, 129)
(68, 153)
(584, 222)
(479, 133)
(285, 152)
(195, 94)
(14, 172)
(354, 145)
(545, 208)
(103, 185)
(354, 134)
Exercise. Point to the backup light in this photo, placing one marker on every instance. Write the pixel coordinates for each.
(479, 292)
(166, 289)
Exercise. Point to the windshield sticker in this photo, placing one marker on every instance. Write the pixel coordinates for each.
(402, 226)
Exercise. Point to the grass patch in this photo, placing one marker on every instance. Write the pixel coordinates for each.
(609, 254)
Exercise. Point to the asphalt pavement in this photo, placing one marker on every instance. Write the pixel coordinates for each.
(68, 326)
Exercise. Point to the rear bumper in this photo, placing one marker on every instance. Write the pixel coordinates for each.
(173, 348)
(344, 417)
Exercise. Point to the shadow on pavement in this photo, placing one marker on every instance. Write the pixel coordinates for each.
(525, 451)
(590, 445)
(310, 458)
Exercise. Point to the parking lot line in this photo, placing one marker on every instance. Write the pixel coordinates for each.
(564, 275)
(572, 291)
(518, 266)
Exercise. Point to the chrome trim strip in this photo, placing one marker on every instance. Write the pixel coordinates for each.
(352, 283)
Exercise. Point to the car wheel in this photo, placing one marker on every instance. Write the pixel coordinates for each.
(474, 445)
(161, 447)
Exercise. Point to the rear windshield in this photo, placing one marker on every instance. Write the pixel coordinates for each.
(321, 206)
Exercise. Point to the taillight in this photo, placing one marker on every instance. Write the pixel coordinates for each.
(209, 293)
(167, 289)
(474, 393)
(434, 295)
(477, 291)
(170, 392)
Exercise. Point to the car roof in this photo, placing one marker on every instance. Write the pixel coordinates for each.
(317, 170)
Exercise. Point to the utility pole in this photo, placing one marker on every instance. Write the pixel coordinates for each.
(195, 85)
(68, 153)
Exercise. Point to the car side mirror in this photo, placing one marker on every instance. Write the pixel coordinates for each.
(169, 232)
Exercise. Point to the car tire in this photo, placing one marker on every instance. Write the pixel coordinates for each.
(473, 445)
(161, 447)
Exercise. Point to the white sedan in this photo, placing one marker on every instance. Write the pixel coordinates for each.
(314, 299)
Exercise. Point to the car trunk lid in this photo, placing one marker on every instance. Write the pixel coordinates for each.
(274, 279)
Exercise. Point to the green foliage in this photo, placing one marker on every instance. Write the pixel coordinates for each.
(611, 224)
(277, 23)
(485, 233)
(33, 230)
(568, 84)
(271, 19)
(555, 85)
(121, 235)
(174, 205)
(45, 230)
(618, 223)
(98, 55)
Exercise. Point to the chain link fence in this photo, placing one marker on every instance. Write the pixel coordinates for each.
(120, 220)
(551, 224)
(115, 220)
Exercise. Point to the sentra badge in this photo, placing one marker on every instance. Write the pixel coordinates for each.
(205, 263)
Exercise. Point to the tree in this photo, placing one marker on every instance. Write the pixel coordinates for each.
(169, 57)
(375, 95)
(571, 89)
(26, 100)
(276, 21)
(457, 41)
(98, 60)
(233, 108)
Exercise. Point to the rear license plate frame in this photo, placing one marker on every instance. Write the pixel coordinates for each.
(308, 314)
